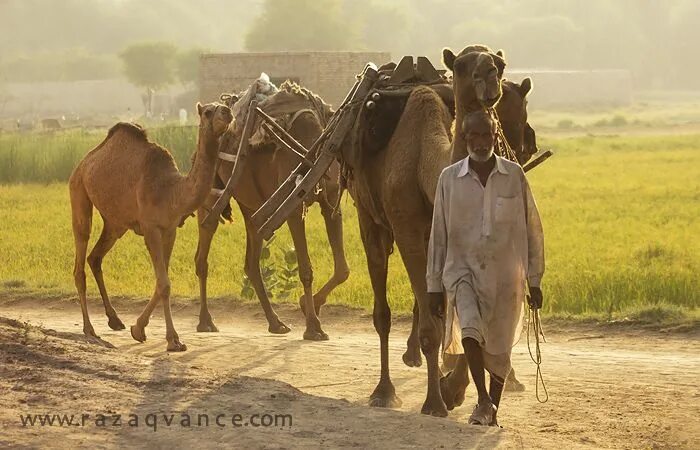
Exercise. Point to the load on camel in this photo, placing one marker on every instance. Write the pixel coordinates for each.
(135, 185)
(303, 115)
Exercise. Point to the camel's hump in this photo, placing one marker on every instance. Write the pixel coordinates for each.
(134, 129)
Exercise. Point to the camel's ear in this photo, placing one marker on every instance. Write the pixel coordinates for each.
(448, 58)
(199, 109)
(525, 87)
(500, 60)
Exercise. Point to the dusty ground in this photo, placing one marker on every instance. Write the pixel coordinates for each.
(609, 387)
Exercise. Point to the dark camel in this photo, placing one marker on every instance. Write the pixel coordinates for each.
(266, 168)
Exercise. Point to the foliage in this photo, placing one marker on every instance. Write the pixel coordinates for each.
(49, 157)
(286, 25)
(187, 65)
(653, 38)
(150, 64)
(280, 278)
(620, 234)
(63, 65)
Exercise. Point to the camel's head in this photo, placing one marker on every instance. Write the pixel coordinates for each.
(214, 117)
(512, 113)
(476, 75)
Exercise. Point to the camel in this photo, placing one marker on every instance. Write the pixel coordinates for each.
(135, 185)
(266, 168)
(512, 113)
(394, 191)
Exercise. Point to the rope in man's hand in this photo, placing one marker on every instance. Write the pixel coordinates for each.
(534, 324)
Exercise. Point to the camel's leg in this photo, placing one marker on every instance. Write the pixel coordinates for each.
(159, 246)
(81, 209)
(341, 271)
(409, 237)
(412, 357)
(313, 330)
(174, 344)
(110, 235)
(252, 269)
(454, 384)
(377, 243)
(202, 268)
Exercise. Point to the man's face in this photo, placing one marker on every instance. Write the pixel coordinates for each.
(481, 139)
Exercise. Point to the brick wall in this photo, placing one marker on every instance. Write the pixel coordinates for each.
(329, 74)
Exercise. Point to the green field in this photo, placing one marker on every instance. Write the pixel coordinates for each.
(620, 217)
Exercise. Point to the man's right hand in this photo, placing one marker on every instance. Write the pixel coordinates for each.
(436, 302)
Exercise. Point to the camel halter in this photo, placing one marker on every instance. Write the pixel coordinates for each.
(534, 324)
(504, 147)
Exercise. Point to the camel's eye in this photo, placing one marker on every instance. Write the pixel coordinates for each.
(208, 113)
(460, 65)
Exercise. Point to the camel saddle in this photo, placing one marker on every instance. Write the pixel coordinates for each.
(383, 106)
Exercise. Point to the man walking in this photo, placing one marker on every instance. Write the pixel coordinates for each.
(486, 244)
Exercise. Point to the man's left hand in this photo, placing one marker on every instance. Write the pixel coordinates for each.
(535, 298)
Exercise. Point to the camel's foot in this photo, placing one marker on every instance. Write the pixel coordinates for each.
(452, 388)
(89, 331)
(513, 385)
(434, 406)
(174, 345)
(115, 323)
(318, 302)
(278, 328)
(206, 325)
(138, 333)
(412, 357)
(384, 396)
(315, 334)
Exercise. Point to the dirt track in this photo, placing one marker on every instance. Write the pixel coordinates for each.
(608, 388)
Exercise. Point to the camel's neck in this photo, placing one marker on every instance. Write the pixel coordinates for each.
(462, 108)
(200, 179)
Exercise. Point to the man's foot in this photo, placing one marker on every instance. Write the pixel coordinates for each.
(483, 414)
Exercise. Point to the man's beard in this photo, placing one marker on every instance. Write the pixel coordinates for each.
(481, 154)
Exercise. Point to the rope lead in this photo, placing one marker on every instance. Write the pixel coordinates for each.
(534, 324)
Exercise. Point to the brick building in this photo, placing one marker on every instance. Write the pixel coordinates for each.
(328, 74)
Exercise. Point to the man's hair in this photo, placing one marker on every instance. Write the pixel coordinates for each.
(479, 120)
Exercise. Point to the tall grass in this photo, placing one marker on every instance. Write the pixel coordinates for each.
(620, 217)
(50, 157)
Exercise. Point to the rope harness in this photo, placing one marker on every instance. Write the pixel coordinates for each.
(503, 148)
(534, 324)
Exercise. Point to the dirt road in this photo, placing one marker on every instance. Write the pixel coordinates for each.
(609, 388)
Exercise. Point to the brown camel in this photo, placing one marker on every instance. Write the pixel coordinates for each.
(135, 185)
(266, 168)
(512, 112)
(394, 191)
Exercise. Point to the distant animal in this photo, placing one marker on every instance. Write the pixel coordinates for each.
(50, 124)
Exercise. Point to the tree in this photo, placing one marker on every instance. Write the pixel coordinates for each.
(285, 25)
(150, 65)
(188, 65)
